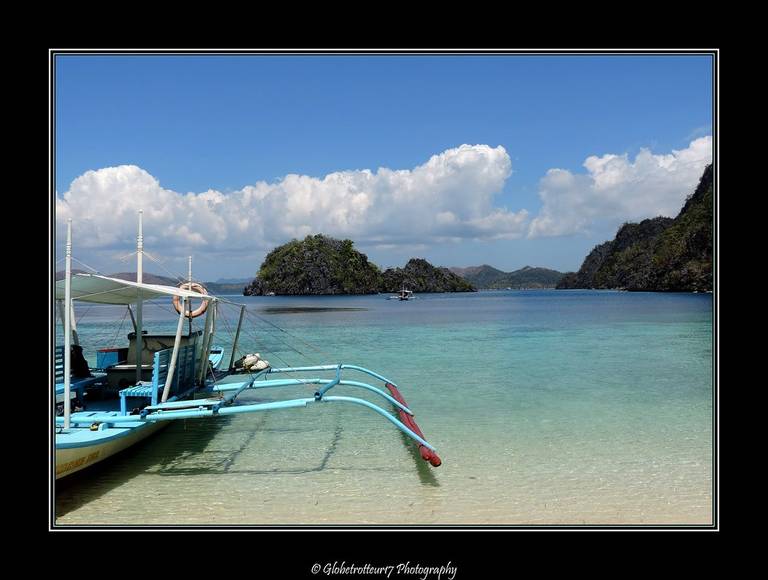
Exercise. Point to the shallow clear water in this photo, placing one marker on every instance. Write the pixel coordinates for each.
(547, 407)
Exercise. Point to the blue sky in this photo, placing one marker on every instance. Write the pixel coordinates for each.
(225, 122)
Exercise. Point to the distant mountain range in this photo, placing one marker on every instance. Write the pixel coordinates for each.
(241, 281)
(488, 277)
(149, 278)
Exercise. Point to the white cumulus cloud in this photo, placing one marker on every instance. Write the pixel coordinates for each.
(448, 197)
(616, 189)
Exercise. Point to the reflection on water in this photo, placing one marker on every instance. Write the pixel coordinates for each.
(305, 309)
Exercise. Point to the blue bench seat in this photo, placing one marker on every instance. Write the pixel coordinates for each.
(153, 389)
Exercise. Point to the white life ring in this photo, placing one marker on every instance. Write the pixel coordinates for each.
(200, 289)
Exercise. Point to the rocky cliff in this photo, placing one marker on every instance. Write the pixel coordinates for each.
(314, 266)
(419, 275)
(659, 254)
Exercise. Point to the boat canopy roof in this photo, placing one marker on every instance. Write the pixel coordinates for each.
(105, 290)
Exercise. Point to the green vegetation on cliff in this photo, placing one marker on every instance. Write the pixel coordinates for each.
(421, 276)
(323, 265)
(316, 265)
(659, 254)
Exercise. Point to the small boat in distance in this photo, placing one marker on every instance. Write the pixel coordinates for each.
(403, 295)
(134, 390)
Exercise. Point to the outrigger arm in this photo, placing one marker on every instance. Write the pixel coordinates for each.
(212, 407)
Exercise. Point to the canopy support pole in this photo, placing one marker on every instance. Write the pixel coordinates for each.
(237, 337)
(209, 343)
(174, 356)
(203, 369)
(133, 319)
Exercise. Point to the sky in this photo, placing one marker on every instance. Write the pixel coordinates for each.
(508, 160)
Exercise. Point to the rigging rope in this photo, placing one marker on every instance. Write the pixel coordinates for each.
(271, 353)
(86, 265)
(77, 321)
(122, 320)
(288, 344)
(79, 262)
(309, 344)
(178, 277)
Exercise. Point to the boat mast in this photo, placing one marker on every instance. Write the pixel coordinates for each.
(139, 276)
(67, 322)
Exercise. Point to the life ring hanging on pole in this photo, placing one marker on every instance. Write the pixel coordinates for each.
(200, 289)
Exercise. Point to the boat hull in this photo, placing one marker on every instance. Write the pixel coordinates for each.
(70, 460)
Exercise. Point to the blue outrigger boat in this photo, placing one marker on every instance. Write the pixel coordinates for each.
(135, 390)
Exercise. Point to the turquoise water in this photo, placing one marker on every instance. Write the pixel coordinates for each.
(547, 407)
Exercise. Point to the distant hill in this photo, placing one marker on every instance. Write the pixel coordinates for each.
(146, 278)
(60, 273)
(656, 255)
(316, 265)
(322, 265)
(529, 277)
(131, 276)
(149, 278)
(479, 276)
(221, 288)
(488, 277)
(419, 275)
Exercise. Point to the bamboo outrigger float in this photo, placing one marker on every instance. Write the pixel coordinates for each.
(136, 390)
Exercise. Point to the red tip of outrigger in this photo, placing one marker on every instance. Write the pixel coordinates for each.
(410, 422)
(429, 455)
